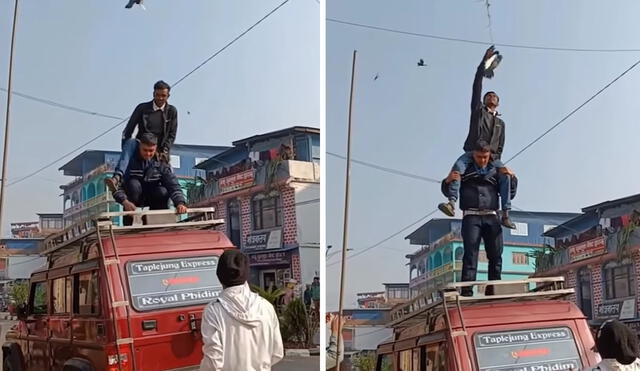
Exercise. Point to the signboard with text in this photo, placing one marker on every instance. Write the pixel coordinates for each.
(587, 249)
(621, 309)
(241, 180)
(264, 240)
(158, 284)
(270, 258)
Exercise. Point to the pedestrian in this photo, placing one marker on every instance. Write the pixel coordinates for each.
(307, 296)
(480, 186)
(618, 347)
(315, 294)
(333, 355)
(485, 125)
(157, 117)
(240, 329)
(149, 182)
(289, 293)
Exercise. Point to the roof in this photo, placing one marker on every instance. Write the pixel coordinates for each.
(424, 232)
(278, 133)
(612, 203)
(397, 284)
(50, 215)
(219, 158)
(580, 223)
(187, 147)
(74, 166)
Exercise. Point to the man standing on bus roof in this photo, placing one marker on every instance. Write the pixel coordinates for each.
(157, 117)
(481, 186)
(240, 329)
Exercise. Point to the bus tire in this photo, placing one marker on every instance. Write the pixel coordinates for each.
(77, 364)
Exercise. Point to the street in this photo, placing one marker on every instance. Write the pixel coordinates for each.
(5, 325)
(298, 364)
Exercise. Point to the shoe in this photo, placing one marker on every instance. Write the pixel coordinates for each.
(112, 183)
(488, 291)
(466, 291)
(506, 221)
(448, 208)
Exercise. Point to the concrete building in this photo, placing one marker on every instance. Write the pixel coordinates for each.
(393, 294)
(87, 196)
(46, 224)
(439, 259)
(267, 189)
(598, 253)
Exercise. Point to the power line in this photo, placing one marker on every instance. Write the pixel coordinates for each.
(446, 38)
(124, 120)
(60, 105)
(386, 239)
(574, 111)
(387, 169)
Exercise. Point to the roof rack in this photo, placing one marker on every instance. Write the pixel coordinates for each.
(86, 229)
(433, 302)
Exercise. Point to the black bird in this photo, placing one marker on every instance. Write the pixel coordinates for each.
(131, 2)
(421, 63)
(376, 77)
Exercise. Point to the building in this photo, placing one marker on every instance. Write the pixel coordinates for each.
(267, 189)
(47, 224)
(19, 257)
(393, 294)
(86, 195)
(598, 253)
(439, 259)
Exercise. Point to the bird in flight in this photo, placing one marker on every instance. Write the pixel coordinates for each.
(132, 2)
(376, 77)
(421, 63)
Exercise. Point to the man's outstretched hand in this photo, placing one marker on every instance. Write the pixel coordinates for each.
(129, 206)
(489, 53)
(181, 209)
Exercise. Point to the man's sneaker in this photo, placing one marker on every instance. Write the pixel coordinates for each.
(448, 208)
(112, 183)
(506, 221)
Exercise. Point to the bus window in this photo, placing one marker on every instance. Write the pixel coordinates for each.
(416, 360)
(437, 357)
(404, 360)
(385, 362)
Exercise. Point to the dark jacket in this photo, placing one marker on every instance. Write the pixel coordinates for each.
(139, 118)
(151, 174)
(483, 124)
(480, 192)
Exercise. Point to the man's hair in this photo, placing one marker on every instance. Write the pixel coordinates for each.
(161, 85)
(482, 146)
(616, 341)
(149, 139)
(484, 97)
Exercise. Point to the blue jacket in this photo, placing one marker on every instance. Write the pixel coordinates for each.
(480, 191)
(151, 174)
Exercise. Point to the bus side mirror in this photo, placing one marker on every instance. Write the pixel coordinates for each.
(22, 312)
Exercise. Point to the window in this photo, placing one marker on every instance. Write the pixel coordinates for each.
(233, 217)
(385, 362)
(619, 280)
(447, 255)
(459, 253)
(436, 357)
(87, 294)
(482, 256)
(39, 298)
(522, 229)
(267, 212)
(404, 360)
(61, 295)
(584, 291)
(520, 258)
(175, 161)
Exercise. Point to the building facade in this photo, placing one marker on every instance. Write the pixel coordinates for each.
(267, 190)
(87, 195)
(598, 253)
(393, 294)
(439, 259)
(46, 224)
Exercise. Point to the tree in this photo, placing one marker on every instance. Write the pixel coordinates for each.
(19, 293)
(297, 325)
(365, 361)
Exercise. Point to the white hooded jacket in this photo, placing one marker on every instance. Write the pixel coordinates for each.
(240, 331)
(613, 365)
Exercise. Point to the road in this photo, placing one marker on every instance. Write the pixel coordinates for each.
(298, 364)
(4, 327)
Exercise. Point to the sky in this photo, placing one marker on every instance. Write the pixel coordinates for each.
(101, 57)
(415, 119)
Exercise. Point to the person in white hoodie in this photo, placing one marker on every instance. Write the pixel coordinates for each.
(618, 347)
(240, 329)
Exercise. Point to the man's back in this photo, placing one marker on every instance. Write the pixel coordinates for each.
(240, 332)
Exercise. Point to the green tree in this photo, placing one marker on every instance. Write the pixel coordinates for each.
(298, 326)
(271, 295)
(365, 361)
(20, 293)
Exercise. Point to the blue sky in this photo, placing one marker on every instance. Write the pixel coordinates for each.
(99, 56)
(416, 119)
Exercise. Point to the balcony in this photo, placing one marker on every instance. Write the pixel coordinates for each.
(291, 169)
(105, 197)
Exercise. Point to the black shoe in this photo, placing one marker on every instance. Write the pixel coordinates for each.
(448, 208)
(466, 291)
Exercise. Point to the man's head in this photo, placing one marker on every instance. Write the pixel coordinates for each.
(233, 268)
(161, 93)
(148, 145)
(491, 100)
(316, 280)
(482, 154)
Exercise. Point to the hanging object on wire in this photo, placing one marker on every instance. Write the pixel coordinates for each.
(492, 63)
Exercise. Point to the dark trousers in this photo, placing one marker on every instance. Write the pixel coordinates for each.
(486, 228)
(141, 194)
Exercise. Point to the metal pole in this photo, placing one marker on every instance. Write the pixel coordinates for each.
(345, 229)
(6, 122)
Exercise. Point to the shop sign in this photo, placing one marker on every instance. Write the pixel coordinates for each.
(264, 240)
(269, 258)
(587, 249)
(621, 309)
(241, 180)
